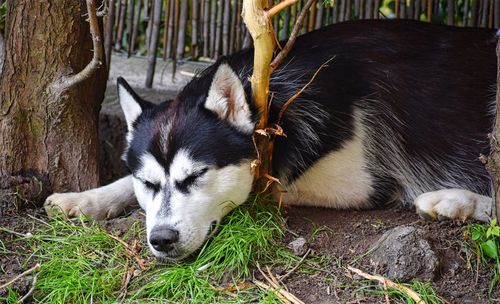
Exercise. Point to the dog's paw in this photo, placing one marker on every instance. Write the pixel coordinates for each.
(75, 204)
(454, 204)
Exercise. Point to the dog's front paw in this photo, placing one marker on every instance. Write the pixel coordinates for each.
(74, 204)
(453, 204)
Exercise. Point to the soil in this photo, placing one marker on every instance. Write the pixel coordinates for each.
(337, 238)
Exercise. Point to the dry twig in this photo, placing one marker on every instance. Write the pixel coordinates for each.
(21, 275)
(274, 286)
(66, 82)
(286, 275)
(388, 283)
(278, 7)
(30, 292)
(291, 99)
(293, 36)
(130, 251)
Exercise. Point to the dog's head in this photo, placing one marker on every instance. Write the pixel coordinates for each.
(190, 158)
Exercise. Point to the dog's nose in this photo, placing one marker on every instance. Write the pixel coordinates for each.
(163, 238)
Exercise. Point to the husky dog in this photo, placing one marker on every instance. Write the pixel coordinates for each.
(399, 115)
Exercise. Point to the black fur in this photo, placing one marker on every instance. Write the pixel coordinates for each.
(429, 86)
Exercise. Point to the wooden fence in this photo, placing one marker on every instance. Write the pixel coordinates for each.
(206, 29)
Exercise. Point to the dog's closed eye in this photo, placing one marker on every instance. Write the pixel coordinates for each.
(153, 186)
(188, 181)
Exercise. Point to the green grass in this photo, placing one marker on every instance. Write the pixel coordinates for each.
(82, 263)
(484, 241)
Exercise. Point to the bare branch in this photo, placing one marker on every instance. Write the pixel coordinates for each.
(388, 283)
(66, 82)
(278, 7)
(293, 36)
(37, 265)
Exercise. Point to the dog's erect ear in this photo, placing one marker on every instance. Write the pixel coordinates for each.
(226, 98)
(132, 105)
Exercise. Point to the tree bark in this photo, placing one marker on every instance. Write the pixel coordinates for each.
(48, 142)
(493, 163)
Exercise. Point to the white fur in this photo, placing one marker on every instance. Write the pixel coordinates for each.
(212, 196)
(338, 180)
(100, 203)
(226, 98)
(454, 204)
(131, 108)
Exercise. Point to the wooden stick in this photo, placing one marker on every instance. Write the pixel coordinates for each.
(154, 42)
(165, 29)
(213, 12)
(286, 275)
(130, 25)
(272, 281)
(206, 20)
(121, 25)
(37, 266)
(391, 284)
(218, 29)
(195, 5)
(30, 292)
(289, 44)
(66, 82)
(108, 33)
(225, 27)
(181, 42)
(171, 26)
(135, 29)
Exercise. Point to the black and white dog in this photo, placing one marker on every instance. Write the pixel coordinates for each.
(401, 114)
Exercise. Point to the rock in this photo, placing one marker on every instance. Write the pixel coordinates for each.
(403, 253)
(299, 246)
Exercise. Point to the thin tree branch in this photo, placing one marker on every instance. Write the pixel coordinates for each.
(388, 283)
(66, 82)
(293, 36)
(278, 7)
(30, 292)
(37, 265)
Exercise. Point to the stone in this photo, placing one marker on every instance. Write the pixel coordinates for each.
(403, 253)
(299, 246)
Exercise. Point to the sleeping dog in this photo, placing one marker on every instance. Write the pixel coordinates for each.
(400, 114)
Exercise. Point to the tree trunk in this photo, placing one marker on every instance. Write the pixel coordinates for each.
(48, 142)
(493, 164)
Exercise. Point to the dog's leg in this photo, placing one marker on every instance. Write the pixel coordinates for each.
(100, 203)
(454, 204)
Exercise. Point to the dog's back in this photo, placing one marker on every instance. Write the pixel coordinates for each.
(402, 108)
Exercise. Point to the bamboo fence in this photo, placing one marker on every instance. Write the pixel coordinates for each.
(206, 29)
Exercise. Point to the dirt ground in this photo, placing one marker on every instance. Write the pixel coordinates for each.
(337, 238)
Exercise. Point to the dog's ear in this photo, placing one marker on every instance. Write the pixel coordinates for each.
(132, 105)
(226, 98)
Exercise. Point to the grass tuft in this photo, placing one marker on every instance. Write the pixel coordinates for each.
(484, 240)
(82, 263)
(247, 235)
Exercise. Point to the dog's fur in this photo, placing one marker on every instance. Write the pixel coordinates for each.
(403, 109)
